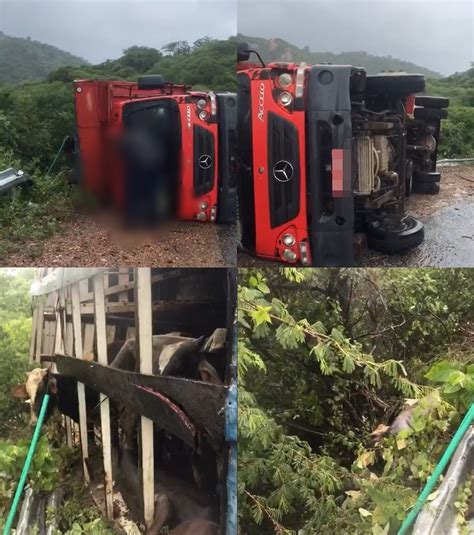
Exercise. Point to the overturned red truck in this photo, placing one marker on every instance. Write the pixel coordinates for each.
(327, 152)
(145, 141)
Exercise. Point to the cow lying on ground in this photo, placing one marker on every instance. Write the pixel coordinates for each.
(178, 503)
(404, 420)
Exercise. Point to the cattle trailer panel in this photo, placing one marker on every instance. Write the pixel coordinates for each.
(78, 314)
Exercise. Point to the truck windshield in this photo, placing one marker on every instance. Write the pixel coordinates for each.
(151, 146)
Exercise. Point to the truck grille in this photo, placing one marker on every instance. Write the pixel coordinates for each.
(204, 160)
(283, 170)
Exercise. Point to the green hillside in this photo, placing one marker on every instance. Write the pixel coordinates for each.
(24, 59)
(280, 50)
(459, 87)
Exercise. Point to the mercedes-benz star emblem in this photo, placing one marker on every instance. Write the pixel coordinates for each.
(205, 161)
(283, 171)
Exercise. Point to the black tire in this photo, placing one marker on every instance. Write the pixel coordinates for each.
(425, 188)
(432, 102)
(426, 177)
(408, 235)
(396, 84)
(425, 114)
(151, 81)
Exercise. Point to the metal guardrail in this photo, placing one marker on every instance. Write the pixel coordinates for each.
(438, 517)
(11, 178)
(451, 162)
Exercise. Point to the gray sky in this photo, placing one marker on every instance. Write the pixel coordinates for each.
(437, 34)
(100, 30)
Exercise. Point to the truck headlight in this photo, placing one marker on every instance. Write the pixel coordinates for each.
(285, 98)
(288, 240)
(285, 80)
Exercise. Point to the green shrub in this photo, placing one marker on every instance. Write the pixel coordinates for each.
(457, 134)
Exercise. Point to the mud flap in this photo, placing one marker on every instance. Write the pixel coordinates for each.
(329, 143)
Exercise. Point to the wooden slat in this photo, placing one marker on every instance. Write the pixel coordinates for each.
(100, 323)
(81, 395)
(59, 335)
(125, 284)
(54, 343)
(145, 344)
(159, 306)
(89, 331)
(39, 329)
(33, 334)
(111, 333)
(59, 278)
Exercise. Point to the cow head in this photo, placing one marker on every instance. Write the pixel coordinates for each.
(38, 382)
(378, 433)
(185, 359)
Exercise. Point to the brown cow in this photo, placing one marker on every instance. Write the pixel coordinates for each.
(176, 501)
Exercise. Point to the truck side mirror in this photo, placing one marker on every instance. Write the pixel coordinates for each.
(243, 51)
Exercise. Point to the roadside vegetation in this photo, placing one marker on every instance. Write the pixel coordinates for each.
(457, 132)
(54, 464)
(325, 356)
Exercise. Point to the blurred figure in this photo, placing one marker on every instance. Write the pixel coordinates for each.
(151, 164)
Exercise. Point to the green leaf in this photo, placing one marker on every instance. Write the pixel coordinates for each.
(261, 315)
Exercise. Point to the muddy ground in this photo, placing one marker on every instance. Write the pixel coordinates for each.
(92, 240)
(449, 227)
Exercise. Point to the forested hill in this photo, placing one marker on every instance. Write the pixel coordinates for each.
(280, 50)
(25, 59)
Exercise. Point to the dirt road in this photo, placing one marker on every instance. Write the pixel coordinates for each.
(91, 241)
(449, 227)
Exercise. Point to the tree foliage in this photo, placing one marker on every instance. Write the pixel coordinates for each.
(324, 357)
(15, 333)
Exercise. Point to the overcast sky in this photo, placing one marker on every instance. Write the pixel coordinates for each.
(437, 34)
(100, 30)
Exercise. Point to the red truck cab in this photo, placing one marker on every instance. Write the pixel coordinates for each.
(327, 152)
(106, 110)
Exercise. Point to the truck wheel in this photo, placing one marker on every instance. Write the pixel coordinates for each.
(407, 235)
(432, 102)
(426, 188)
(426, 177)
(396, 84)
(430, 113)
